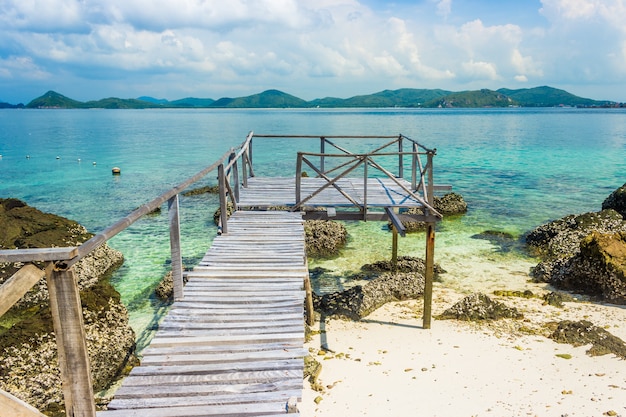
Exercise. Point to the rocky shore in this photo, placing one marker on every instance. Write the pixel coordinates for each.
(585, 253)
(28, 353)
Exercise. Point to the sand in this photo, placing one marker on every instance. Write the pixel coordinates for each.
(388, 365)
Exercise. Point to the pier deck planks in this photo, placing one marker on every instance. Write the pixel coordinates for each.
(234, 345)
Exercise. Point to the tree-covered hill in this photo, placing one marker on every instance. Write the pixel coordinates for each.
(406, 97)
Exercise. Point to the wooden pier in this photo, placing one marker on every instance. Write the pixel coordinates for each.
(234, 345)
(232, 342)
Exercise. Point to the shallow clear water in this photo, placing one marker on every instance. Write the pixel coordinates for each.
(516, 168)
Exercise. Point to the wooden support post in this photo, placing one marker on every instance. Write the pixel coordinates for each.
(223, 203)
(428, 278)
(394, 249)
(310, 313)
(430, 249)
(177, 262)
(396, 228)
(67, 318)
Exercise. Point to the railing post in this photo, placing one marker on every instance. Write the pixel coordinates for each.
(430, 248)
(69, 328)
(365, 188)
(177, 262)
(235, 172)
(298, 178)
(400, 158)
(322, 151)
(244, 167)
(221, 178)
(414, 167)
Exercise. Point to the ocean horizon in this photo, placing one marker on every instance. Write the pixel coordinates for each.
(516, 168)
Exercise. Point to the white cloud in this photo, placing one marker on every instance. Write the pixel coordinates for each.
(14, 67)
(339, 47)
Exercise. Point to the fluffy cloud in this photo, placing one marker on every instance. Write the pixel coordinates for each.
(339, 47)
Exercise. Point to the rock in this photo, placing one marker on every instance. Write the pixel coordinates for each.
(324, 238)
(581, 333)
(558, 241)
(28, 358)
(479, 307)
(165, 290)
(561, 238)
(359, 301)
(616, 201)
(599, 269)
(208, 189)
(449, 204)
(405, 264)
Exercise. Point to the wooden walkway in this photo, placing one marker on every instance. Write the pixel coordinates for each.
(234, 345)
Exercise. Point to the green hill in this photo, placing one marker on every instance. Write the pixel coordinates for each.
(548, 97)
(119, 103)
(266, 99)
(479, 98)
(405, 97)
(54, 100)
(192, 102)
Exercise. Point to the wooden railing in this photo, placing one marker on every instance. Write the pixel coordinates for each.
(65, 303)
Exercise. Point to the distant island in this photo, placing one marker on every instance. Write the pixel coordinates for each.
(406, 97)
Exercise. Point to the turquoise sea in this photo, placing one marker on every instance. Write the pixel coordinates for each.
(517, 168)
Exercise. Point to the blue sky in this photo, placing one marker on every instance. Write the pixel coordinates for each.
(92, 49)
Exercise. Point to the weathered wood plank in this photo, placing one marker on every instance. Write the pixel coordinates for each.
(176, 390)
(206, 400)
(205, 358)
(234, 377)
(17, 285)
(238, 339)
(14, 407)
(263, 409)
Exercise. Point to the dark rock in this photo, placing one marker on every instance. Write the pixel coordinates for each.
(165, 290)
(405, 264)
(324, 238)
(599, 269)
(28, 353)
(557, 299)
(561, 238)
(479, 307)
(616, 201)
(449, 204)
(581, 333)
(359, 301)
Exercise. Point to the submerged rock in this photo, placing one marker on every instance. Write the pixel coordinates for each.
(581, 333)
(477, 307)
(28, 353)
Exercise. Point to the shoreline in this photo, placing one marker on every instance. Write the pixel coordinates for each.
(388, 364)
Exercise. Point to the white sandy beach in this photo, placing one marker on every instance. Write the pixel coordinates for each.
(388, 365)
